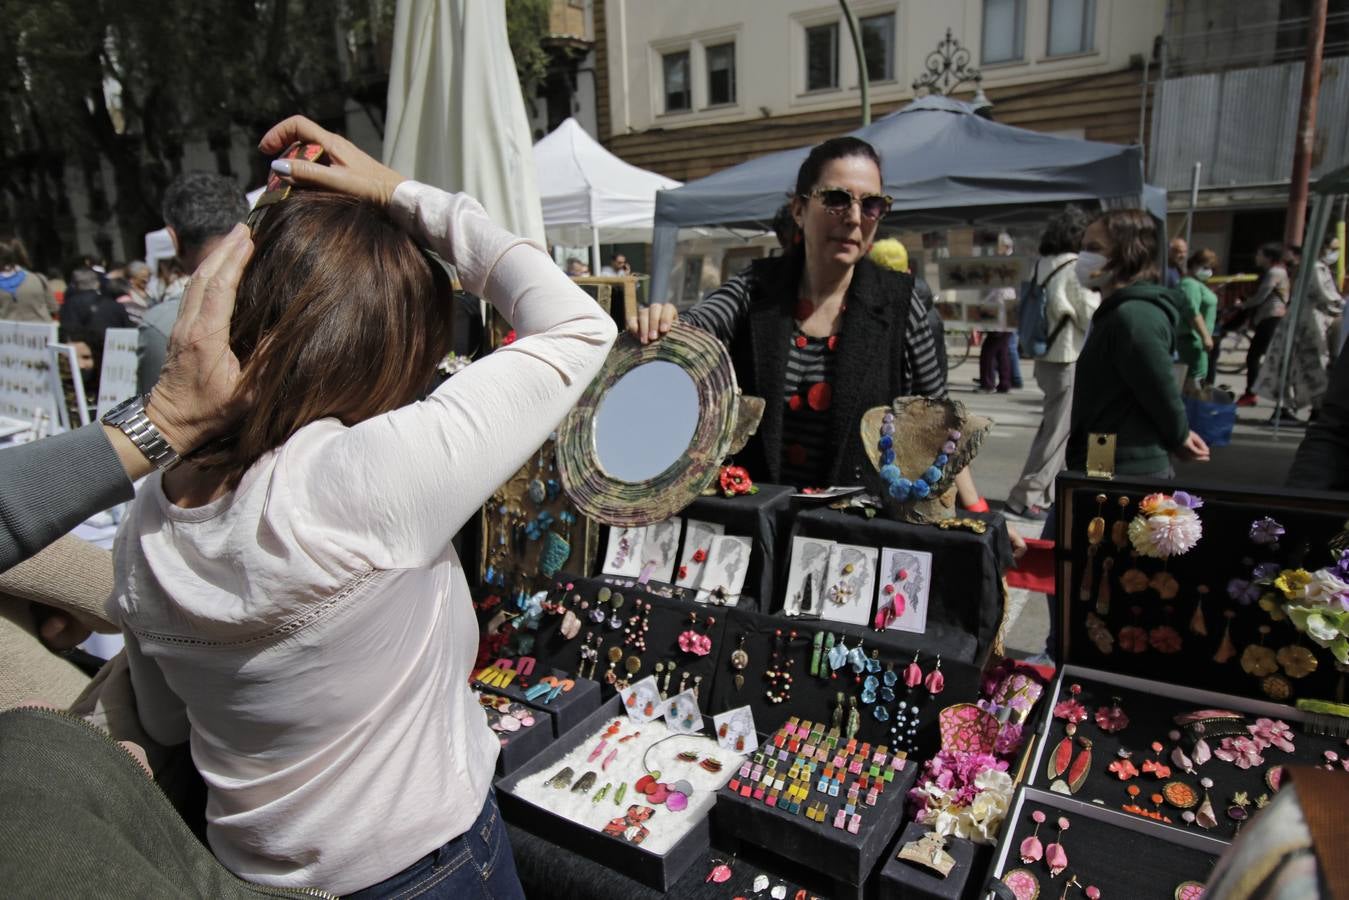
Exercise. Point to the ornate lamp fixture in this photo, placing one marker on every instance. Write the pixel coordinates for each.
(947, 68)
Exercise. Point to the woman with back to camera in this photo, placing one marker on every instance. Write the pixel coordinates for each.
(289, 595)
(1125, 384)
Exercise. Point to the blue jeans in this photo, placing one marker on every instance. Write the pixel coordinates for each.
(478, 863)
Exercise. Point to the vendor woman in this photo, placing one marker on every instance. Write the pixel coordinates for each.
(822, 327)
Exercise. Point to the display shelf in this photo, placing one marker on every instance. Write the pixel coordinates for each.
(902, 880)
(1120, 855)
(1151, 708)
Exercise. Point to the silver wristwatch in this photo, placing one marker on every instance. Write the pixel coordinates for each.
(130, 417)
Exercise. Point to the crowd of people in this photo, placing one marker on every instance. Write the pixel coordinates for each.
(294, 611)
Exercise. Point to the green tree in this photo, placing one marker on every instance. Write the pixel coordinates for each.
(122, 85)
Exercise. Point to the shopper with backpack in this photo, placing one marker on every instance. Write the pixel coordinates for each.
(1055, 312)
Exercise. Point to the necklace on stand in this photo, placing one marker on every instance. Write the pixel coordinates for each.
(904, 489)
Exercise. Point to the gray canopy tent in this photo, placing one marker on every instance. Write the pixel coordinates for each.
(943, 164)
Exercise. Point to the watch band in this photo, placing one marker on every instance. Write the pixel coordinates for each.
(129, 416)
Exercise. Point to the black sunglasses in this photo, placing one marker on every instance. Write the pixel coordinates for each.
(837, 200)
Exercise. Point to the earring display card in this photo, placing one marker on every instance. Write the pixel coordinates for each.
(806, 576)
(697, 545)
(850, 584)
(735, 730)
(642, 700)
(624, 555)
(908, 576)
(1095, 847)
(724, 575)
(681, 713)
(1167, 778)
(659, 550)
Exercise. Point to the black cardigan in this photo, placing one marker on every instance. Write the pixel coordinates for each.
(870, 369)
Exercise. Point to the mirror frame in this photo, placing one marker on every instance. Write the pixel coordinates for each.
(725, 419)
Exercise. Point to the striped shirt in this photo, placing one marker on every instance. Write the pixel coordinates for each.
(810, 362)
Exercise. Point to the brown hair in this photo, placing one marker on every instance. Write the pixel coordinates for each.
(1203, 258)
(338, 314)
(12, 252)
(1133, 239)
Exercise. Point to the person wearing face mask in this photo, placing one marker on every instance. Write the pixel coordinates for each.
(1194, 335)
(1266, 308)
(1124, 384)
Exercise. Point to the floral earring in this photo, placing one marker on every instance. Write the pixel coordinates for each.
(1031, 849)
(935, 681)
(913, 673)
(1056, 858)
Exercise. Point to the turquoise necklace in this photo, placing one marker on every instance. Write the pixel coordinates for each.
(899, 487)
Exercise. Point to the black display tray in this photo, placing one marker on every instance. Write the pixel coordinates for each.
(814, 698)
(966, 600)
(848, 859)
(1122, 855)
(902, 880)
(519, 747)
(668, 619)
(657, 870)
(567, 711)
(1150, 707)
(1224, 552)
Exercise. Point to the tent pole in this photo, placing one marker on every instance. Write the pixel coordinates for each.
(1194, 201)
(595, 249)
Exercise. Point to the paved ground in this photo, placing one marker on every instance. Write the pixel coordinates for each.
(1257, 455)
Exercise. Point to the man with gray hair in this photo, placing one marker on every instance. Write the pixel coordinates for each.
(199, 208)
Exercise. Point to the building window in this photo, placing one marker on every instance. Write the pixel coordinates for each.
(678, 87)
(1072, 26)
(720, 74)
(822, 57)
(878, 46)
(1004, 30)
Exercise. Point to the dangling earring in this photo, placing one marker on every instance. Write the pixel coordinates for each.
(1226, 649)
(913, 673)
(854, 718)
(1031, 849)
(1197, 624)
(1095, 534)
(935, 680)
(1205, 817)
(1103, 591)
(1056, 858)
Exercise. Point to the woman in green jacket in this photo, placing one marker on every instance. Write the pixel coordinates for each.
(1194, 336)
(1125, 384)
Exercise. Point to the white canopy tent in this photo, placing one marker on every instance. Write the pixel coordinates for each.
(589, 195)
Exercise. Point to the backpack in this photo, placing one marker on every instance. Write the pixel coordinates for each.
(1033, 335)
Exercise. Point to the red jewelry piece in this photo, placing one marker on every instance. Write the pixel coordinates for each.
(794, 402)
(801, 340)
(832, 343)
(1081, 768)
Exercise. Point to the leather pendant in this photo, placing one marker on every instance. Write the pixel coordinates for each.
(1080, 769)
(1060, 758)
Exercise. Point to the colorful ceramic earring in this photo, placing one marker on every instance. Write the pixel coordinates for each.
(935, 681)
(1022, 883)
(913, 673)
(1226, 649)
(1056, 858)
(1031, 848)
(1198, 625)
(740, 662)
(1205, 817)
(1111, 719)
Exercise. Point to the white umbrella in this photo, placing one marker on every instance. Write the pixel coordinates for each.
(456, 118)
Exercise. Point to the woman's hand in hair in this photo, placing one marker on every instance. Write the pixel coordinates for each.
(350, 171)
(194, 397)
(652, 322)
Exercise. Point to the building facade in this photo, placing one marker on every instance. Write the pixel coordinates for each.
(696, 86)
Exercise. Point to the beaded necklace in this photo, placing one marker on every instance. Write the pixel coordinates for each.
(899, 487)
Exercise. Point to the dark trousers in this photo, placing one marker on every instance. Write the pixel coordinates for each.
(1264, 333)
(995, 361)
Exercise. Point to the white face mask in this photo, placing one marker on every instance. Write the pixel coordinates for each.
(1203, 274)
(1091, 269)
(1330, 257)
